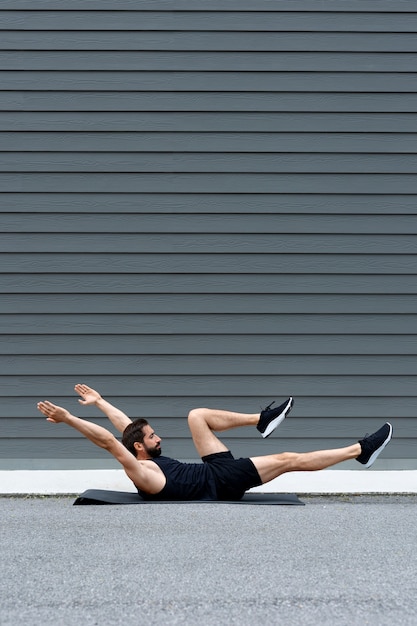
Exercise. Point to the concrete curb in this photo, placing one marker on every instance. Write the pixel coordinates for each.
(50, 482)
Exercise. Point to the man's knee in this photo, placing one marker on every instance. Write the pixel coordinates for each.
(273, 465)
(196, 416)
(290, 460)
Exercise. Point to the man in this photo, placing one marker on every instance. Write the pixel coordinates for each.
(220, 476)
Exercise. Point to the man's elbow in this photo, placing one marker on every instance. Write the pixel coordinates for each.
(108, 442)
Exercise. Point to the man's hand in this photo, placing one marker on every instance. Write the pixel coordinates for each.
(88, 395)
(52, 412)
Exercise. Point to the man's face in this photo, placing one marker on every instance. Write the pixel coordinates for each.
(151, 442)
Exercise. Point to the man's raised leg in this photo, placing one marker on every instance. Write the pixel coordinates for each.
(203, 422)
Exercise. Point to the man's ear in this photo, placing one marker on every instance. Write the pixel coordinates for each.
(138, 446)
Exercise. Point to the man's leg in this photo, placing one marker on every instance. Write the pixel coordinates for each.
(203, 422)
(365, 451)
(273, 465)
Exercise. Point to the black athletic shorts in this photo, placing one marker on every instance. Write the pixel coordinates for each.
(232, 476)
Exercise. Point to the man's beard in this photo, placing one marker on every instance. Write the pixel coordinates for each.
(154, 452)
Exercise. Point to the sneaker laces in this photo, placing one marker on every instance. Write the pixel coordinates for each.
(267, 408)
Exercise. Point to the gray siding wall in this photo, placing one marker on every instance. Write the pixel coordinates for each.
(208, 203)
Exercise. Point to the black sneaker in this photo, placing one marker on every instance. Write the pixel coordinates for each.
(271, 418)
(372, 445)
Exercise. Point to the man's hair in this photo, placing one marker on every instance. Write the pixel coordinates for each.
(133, 433)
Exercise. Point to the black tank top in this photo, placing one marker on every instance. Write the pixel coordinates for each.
(185, 481)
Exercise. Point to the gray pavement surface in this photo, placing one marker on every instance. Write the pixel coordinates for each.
(338, 560)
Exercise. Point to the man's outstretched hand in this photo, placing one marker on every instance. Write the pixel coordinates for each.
(88, 395)
(52, 412)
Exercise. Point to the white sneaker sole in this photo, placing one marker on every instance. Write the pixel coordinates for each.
(278, 419)
(375, 455)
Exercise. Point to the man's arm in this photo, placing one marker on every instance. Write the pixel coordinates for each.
(144, 475)
(95, 433)
(90, 396)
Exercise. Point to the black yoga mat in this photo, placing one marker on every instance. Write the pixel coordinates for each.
(102, 496)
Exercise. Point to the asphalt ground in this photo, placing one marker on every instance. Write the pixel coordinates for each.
(338, 560)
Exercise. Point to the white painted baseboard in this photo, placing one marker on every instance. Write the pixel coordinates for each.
(50, 482)
(344, 481)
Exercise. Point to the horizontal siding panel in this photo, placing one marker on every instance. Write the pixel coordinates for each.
(209, 41)
(263, 386)
(260, 386)
(135, 85)
(346, 411)
(228, 243)
(220, 162)
(219, 344)
(296, 428)
(208, 121)
(216, 283)
(210, 61)
(310, 21)
(70, 142)
(197, 101)
(333, 6)
(203, 5)
(167, 323)
(207, 225)
(208, 182)
(193, 203)
(277, 302)
(210, 365)
(210, 263)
